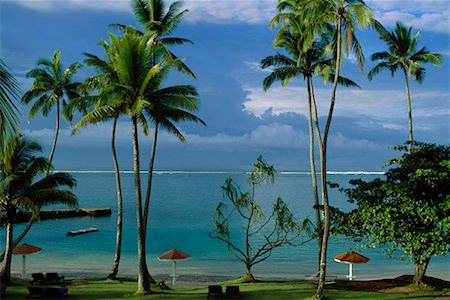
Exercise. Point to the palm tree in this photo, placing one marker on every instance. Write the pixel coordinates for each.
(19, 167)
(9, 90)
(103, 85)
(167, 106)
(339, 18)
(52, 87)
(402, 54)
(128, 84)
(307, 64)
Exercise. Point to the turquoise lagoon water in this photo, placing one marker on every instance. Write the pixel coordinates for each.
(180, 217)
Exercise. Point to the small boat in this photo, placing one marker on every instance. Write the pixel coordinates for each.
(81, 231)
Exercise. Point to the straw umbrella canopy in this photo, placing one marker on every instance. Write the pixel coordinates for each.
(350, 258)
(25, 249)
(174, 255)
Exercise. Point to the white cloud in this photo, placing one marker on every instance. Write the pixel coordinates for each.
(379, 104)
(271, 136)
(423, 15)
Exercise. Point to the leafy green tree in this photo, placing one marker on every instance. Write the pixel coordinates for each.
(9, 90)
(306, 64)
(402, 54)
(340, 18)
(408, 210)
(24, 185)
(53, 86)
(262, 234)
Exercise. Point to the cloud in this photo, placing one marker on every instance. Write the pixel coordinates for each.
(378, 104)
(423, 15)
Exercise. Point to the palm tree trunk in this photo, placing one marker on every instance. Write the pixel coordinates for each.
(52, 151)
(408, 97)
(115, 268)
(143, 278)
(323, 170)
(20, 236)
(313, 170)
(5, 274)
(150, 177)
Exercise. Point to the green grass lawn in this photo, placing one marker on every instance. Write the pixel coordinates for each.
(108, 289)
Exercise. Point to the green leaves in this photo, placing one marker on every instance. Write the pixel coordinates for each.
(408, 210)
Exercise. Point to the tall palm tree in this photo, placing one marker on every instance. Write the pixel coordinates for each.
(402, 54)
(133, 76)
(168, 106)
(306, 64)
(20, 165)
(53, 86)
(99, 92)
(9, 90)
(340, 18)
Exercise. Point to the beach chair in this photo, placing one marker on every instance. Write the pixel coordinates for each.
(232, 292)
(162, 285)
(47, 292)
(38, 278)
(53, 278)
(215, 292)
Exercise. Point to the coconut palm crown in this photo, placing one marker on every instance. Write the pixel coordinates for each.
(402, 54)
(20, 165)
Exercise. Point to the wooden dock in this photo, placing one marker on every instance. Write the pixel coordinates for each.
(81, 231)
(22, 217)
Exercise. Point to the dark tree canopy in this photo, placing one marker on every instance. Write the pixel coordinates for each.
(407, 211)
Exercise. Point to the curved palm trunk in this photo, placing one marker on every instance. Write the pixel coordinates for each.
(150, 176)
(408, 97)
(313, 170)
(143, 277)
(323, 170)
(52, 151)
(20, 236)
(115, 268)
(5, 274)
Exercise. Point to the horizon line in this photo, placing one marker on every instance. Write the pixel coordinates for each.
(168, 172)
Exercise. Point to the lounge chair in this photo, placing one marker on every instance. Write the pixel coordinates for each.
(215, 292)
(38, 278)
(52, 278)
(47, 292)
(232, 292)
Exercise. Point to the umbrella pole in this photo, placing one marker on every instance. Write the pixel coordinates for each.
(174, 272)
(350, 272)
(23, 266)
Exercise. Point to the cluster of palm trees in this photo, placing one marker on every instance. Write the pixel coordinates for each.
(129, 81)
(316, 35)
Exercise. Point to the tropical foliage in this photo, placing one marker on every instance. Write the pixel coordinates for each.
(408, 210)
(9, 90)
(402, 54)
(24, 186)
(53, 86)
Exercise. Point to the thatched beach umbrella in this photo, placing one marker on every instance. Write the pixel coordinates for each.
(174, 255)
(350, 258)
(25, 249)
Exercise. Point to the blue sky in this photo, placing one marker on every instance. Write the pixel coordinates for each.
(230, 38)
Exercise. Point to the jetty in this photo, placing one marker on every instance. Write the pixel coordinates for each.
(81, 231)
(23, 217)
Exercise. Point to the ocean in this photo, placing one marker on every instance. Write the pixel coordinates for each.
(181, 213)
